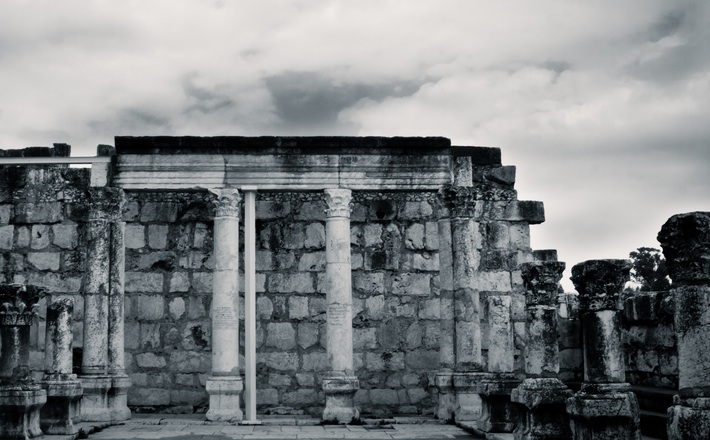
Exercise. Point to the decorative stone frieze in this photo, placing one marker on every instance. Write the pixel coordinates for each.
(20, 398)
(542, 396)
(605, 407)
(685, 239)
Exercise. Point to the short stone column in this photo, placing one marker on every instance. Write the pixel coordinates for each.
(339, 382)
(466, 243)
(225, 383)
(63, 408)
(541, 398)
(20, 398)
(605, 408)
(104, 209)
(446, 404)
(685, 239)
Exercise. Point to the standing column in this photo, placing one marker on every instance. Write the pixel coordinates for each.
(104, 206)
(685, 239)
(605, 407)
(466, 243)
(225, 384)
(446, 405)
(339, 382)
(542, 396)
(250, 305)
(63, 407)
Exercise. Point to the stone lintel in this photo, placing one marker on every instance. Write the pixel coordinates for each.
(530, 211)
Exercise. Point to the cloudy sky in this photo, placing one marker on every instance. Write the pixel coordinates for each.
(603, 106)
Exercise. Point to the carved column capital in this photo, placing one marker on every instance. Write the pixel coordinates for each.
(338, 201)
(227, 202)
(105, 203)
(542, 280)
(599, 283)
(685, 239)
(19, 304)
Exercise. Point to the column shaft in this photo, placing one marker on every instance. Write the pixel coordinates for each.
(446, 404)
(250, 304)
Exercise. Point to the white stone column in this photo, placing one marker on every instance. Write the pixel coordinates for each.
(250, 305)
(225, 384)
(339, 383)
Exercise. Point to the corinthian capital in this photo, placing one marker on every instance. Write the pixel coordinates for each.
(599, 283)
(338, 200)
(227, 203)
(542, 279)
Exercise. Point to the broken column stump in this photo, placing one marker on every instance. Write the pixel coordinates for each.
(63, 407)
(20, 398)
(685, 239)
(604, 408)
(541, 398)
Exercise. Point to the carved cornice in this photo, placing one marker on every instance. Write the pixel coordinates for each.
(542, 280)
(599, 283)
(338, 201)
(685, 239)
(227, 203)
(19, 304)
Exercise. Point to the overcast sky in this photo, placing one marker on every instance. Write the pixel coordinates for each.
(603, 106)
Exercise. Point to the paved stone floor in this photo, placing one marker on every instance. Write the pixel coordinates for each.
(195, 427)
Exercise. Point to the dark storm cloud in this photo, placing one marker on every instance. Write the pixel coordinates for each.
(668, 24)
(308, 101)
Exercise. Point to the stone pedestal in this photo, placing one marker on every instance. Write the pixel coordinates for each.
(20, 398)
(225, 384)
(339, 383)
(63, 408)
(541, 398)
(685, 239)
(605, 407)
(468, 402)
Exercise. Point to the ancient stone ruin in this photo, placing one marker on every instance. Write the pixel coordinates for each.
(340, 278)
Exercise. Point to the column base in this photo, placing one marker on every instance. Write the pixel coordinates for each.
(63, 408)
(118, 398)
(95, 401)
(541, 405)
(604, 411)
(468, 402)
(340, 399)
(689, 418)
(224, 392)
(20, 408)
(446, 405)
(499, 415)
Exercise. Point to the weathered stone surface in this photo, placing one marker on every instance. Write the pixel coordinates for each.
(149, 307)
(412, 284)
(134, 236)
(291, 282)
(157, 236)
(281, 335)
(179, 282)
(370, 282)
(685, 239)
(44, 260)
(65, 236)
(176, 308)
(599, 283)
(150, 360)
(315, 236)
(312, 261)
(141, 282)
(7, 237)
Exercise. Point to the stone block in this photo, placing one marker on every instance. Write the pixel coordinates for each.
(281, 335)
(176, 308)
(141, 282)
(412, 284)
(159, 212)
(430, 309)
(7, 237)
(202, 282)
(303, 396)
(196, 308)
(316, 308)
(425, 262)
(150, 360)
(267, 397)
(382, 210)
(414, 237)
(270, 210)
(375, 306)
(413, 336)
(264, 307)
(298, 307)
(422, 360)
(416, 395)
(189, 361)
(149, 336)
(131, 212)
(40, 237)
(312, 261)
(372, 235)
(431, 240)
(305, 380)
(282, 361)
(44, 260)
(186, 380)
(315, 236)
(179, 282)
(134, 237)
(529, 211)
(291, 283)
(6, 213)
(519, 236)
(40, 212)
(384, 397)
(369, 282)
(279, 380)
(364, 338)
(138, 396)
(187, 397)
(385, 361)
(294, 236)
(415, 210)
(23, 237)
(493, 281)
(65, 236)
(55, 282)
(315, 361)
(307, 334)
(200, 239)
(314, 210)
(148, 307)
(157, 236)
